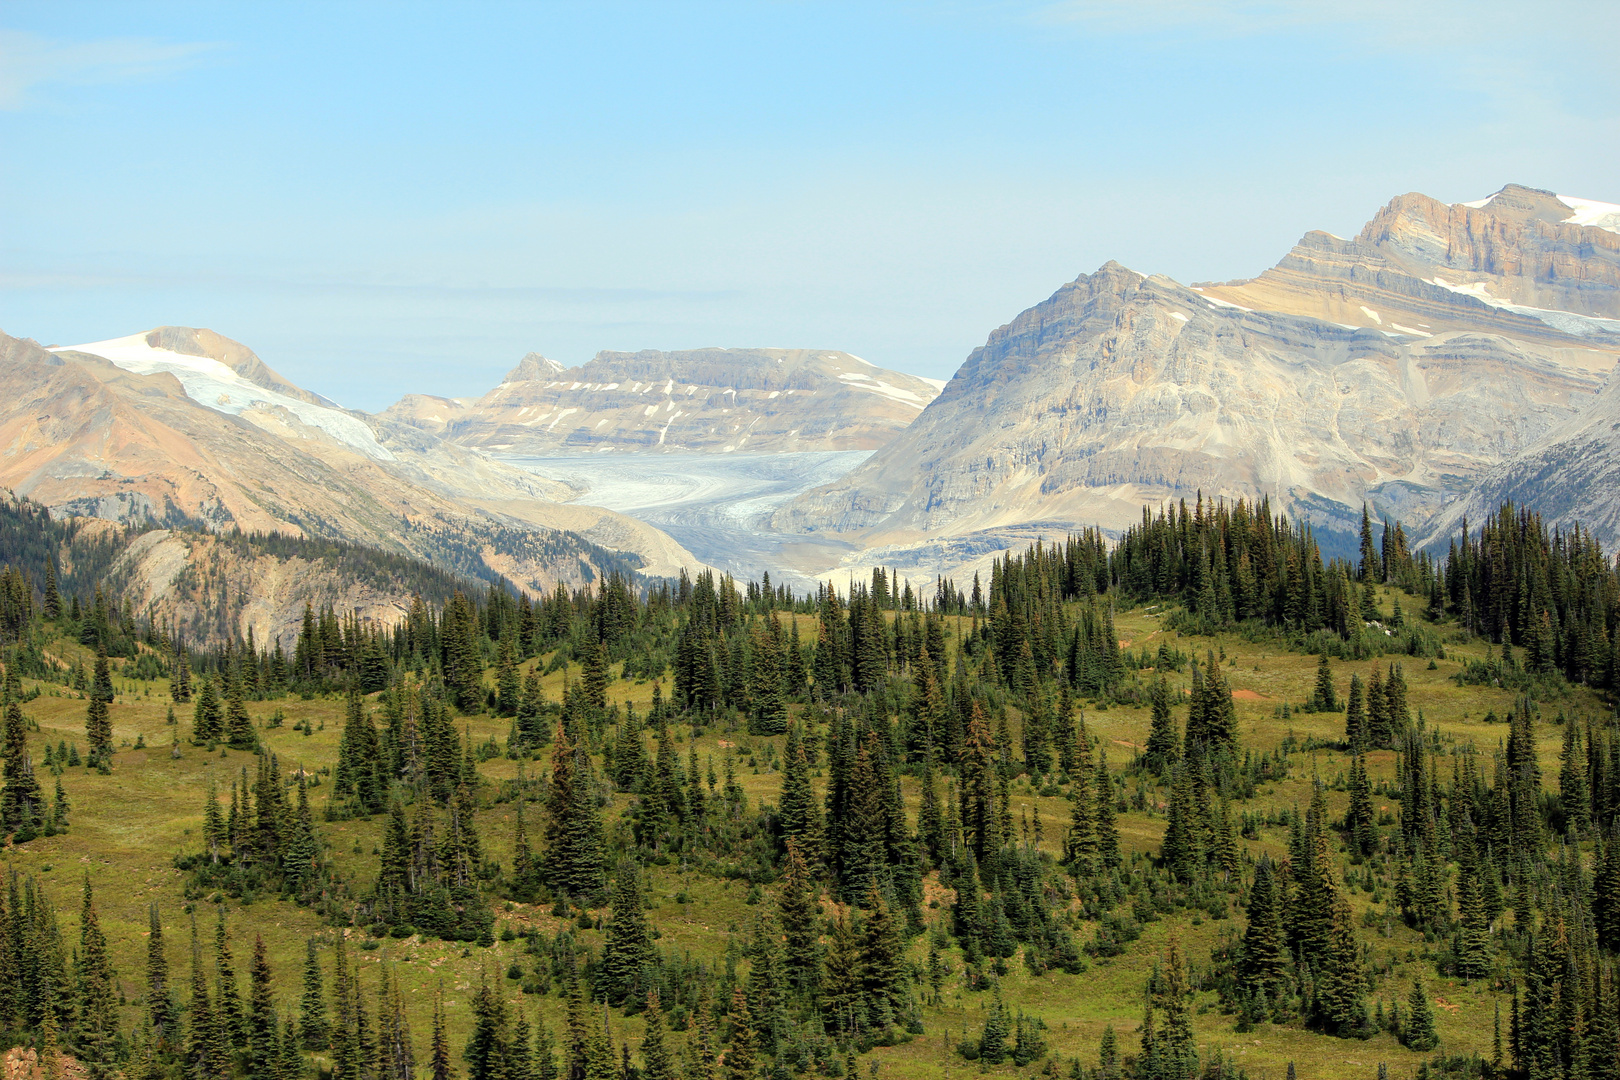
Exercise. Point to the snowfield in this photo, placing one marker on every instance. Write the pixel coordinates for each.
(217, 386)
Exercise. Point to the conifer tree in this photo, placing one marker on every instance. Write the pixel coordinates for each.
(312, 1005)
(263, 1028)
(98, 715)
(1080, 842)
(508, 683)
(53, 596)
(657, 1062)
(1108, 856)
(1108, 1066)
(882, 971)
(489, 1046)
(740, 1054)
(993, 1039)
(239, 731)
(207, 1049)
(1265, 950)
(160, 1010)
(980, 826)
(396, 1056)
(799, 911)
(628, 948)
(207, 717)
(180, 679)
(1325, 698)
(232, 1017)
(1355, 715)
(1380, 732)
(1183, 848)
(1472, 924)
(1176, 1050)
(1359, 819)
(1573, 794)
(1339, 989)
(1163, 744)
(96, 1033)
(798, 813)
(930, 815)
(50, 1053)
(1370, 565)
(576, 853)
(21, 801)
(439, 1065)
(1419, 1033)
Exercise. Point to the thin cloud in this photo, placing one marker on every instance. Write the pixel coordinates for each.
(29, 63)
(1387, 24)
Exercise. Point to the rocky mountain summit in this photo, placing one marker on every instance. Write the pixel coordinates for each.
(1400, 367)
(1524, 263)
(726, 400)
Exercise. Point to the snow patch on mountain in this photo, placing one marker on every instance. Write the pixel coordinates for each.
(1600, 215)
(216, 386)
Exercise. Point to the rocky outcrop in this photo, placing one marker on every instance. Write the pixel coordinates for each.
(1122, 390)
(742, 400)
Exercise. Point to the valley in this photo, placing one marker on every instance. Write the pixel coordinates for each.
(717, 506)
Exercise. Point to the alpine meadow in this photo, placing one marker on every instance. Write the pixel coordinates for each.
(647, 540)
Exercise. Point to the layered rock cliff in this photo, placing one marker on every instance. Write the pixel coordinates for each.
(743, 400)
(1519, 263)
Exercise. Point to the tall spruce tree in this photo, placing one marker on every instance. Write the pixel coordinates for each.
(1419, 1033)
(160, 1008)
(96, 1033)
(628, 950)
(98, 714)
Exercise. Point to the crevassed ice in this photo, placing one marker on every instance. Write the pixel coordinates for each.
(217, 386)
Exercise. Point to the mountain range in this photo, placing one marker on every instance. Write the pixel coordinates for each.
(183, 428)
(726, 400)
(1446, 358)
(1444, 345)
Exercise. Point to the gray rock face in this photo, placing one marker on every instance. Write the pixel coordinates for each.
(1122, 390)
(1570, 476)
(754, 400)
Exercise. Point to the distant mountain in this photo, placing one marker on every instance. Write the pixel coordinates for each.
(744, 400)
(183, 427)
(1400, 367)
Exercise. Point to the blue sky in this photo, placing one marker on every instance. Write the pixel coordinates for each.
(382, 199)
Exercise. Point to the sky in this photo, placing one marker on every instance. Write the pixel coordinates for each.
(383, 199)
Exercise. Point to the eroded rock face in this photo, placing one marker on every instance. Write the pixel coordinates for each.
(1570, 476)
(1121, 389)
(728, 400)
